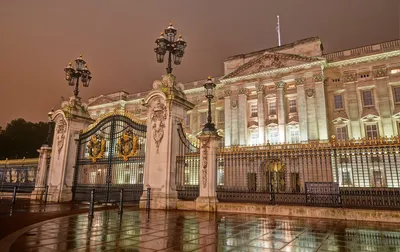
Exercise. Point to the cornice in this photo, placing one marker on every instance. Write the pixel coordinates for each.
(358, 60)
(273, 71)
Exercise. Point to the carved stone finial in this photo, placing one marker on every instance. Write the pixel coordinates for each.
(300, 81)
(243, 90)
(280, 84)
(260, 88)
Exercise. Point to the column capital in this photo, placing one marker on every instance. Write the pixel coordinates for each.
(279, 84)
(260, 88)
(318, 77)
(300, 81)
(227, 93)
(243, 90)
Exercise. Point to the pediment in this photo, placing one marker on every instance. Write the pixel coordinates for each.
(340, 120)
(368, 113)
(101, 100)
(370, 118)
(270, 61)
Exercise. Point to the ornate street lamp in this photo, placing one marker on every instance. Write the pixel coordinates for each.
(80, 71)
(209, 93)
(49, 138)
(166, 42)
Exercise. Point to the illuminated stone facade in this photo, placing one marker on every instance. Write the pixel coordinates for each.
(292, 93)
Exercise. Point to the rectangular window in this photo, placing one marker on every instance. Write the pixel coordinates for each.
(367, 98)
(341, 133)
(397, 94)
(292, 106)
(273, 135)
(371, 131)
(221, 116)
(346, 178)
(338, 101)
(254, 138)
(253, 110)
(377, 178)
(294, 135)
(187, 120)
(272, 108)
(203, 118)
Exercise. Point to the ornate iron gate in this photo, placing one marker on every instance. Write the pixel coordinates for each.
(111, 155)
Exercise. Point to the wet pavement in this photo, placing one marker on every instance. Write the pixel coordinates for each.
(195, 231)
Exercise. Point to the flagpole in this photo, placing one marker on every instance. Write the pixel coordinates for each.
(278, 29)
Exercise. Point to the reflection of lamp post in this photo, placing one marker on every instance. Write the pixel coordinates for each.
(50, 131)
(209, 86)
(81, 71)
(166, 42)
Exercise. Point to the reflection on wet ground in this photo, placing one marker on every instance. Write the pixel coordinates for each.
(195, 231)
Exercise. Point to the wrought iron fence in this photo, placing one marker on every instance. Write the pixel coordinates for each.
(351, 173)
(18, 172)
(187, 166)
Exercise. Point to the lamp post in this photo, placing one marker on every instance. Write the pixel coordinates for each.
(80, 71)
(166, 42)
(50, 131)
(209, 86)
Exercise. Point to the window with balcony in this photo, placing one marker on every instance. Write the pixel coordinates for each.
(253, 110)
(338, 99)
(292, 106)
(273, 135)
(254, 138)
(396, 94)
(294, 135)
(341, 133)
(367, 98)
(272, 108)
(371, 131)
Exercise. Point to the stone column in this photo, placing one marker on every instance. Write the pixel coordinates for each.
(242, 116)
(167, 105)
(302, 108)
(208, 172)
(234, 122)
(321, 106)
(42, 171)
(260, 113)
(280, 105)
(228, 118)
(69, 121)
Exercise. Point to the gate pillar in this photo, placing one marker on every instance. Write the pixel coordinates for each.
(167, 105)
(69, 121)
(42, 171)
(209, 143)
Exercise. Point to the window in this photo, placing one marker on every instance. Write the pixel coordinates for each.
(367, 98)
(254, 138)
(273, 135)
(294, 135)
(338, 99)
(377, 178)
(341, 133)
(397, 94)
(292, 106)
(272, 108)
(187, 120)
(346, 178)
(253, 110)
(203, 118)
(371, 131)
(221, 116)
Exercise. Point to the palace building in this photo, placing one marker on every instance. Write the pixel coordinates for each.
(292, 93)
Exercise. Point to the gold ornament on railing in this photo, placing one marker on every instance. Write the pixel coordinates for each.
(96, 147)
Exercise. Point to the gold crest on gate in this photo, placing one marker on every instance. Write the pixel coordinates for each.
(127, 145)
(96, 147)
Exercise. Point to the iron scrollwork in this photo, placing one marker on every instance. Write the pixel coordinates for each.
(127, 145)
(96, 147)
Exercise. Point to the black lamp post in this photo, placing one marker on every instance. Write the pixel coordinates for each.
(80, 71)
(209, 86)
(166, 42)
(49, 139)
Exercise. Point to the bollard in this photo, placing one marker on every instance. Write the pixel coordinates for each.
(14, 197)
(91, 207)
(46, 191)
(148, 199)
(121, 201)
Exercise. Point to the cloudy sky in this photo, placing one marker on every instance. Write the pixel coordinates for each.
(38, 39)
